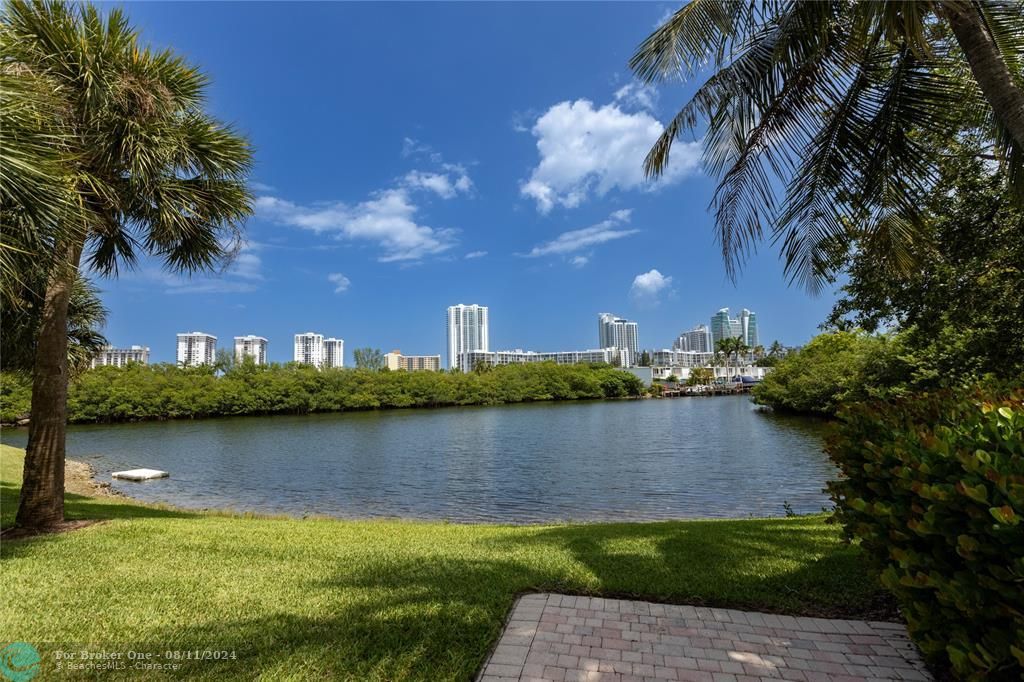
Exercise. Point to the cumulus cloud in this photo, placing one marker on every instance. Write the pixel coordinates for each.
(587, 150)
(340, 282)
(447, 184)
(649, 284)
(387, 218)
(476, 254)
(579, 261)
(611, 228)
(637, 95)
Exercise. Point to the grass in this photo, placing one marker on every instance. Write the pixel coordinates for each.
(380, 600)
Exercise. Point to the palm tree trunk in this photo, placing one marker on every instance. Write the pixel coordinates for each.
(42, 489)
(988, 67)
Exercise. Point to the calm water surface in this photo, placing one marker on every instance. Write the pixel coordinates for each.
(650, 459)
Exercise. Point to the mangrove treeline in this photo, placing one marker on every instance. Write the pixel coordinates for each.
(143, 392)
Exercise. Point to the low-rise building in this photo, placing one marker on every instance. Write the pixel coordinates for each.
(612, 356)
(411, 363)
(119, 357)
(680, 358)
(721, 374)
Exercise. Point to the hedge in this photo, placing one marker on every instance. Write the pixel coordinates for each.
(933, 488)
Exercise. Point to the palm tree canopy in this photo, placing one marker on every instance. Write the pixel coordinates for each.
(86, 317)
(814, 112)
(150, 170)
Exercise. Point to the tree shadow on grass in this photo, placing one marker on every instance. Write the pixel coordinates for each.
(436, 617)
(792, 566)
(387, 620)
(79, 508)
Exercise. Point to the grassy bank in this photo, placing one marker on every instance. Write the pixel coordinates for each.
(381, 600)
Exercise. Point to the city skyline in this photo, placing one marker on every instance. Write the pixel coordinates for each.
(467, 331)
(372, 215)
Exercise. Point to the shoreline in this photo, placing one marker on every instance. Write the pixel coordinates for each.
(80, 479)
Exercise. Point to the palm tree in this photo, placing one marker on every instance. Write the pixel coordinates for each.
(827, 99)
(732, 347)
(148, 171)
(86, 317)
(775, 350)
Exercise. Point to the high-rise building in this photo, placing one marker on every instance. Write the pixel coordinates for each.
(748, 323)
(196, 348)
(309, 349)
(616, 332)
(251, 346)
(725, 327)
(119, 357)
(411, 363)
(467, 332)
(334, 352)
(697, 340)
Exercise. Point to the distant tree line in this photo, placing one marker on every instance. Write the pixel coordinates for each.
(144, 392)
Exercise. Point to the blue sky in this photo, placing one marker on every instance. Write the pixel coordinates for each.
(413, 156)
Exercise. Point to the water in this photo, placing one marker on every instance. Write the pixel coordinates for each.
(650, 459)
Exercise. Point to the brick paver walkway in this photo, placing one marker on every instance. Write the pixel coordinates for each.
(559, 637)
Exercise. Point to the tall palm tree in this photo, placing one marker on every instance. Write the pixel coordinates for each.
(825, 99)
(148, 171)
(86, 317)
(735, 347)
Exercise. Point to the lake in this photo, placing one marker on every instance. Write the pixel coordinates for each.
(583, 461)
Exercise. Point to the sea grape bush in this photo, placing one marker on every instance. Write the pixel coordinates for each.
(140, 392)
(933, 488)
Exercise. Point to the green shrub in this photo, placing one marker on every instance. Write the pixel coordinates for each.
(15, 396)
(833, 369)
(933, 488)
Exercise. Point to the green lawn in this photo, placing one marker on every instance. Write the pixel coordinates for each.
(380, 600)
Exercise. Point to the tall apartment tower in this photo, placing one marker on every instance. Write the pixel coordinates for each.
(251, 346)
(748, 324)
(724, 327)
(467, 332)
(616, 332)
(196, 348)
(309, 349)
(697, 339)
(334, 352)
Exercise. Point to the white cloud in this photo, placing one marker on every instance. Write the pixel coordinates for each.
(637, 95)
(387, 218)
(611, 228)
(261, 186)
(246, 265)
(340, 282)
(579, 261)
(446, 185)
(586, 151)
(476, 254)
(413, 147)
(649, 284)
